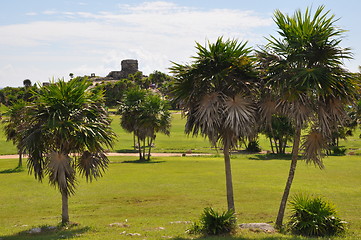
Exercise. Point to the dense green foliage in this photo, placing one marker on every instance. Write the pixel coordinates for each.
(214, 223)
(314, 217)
(114, 91)
(279, 131)
(144, 113)
(11, 95)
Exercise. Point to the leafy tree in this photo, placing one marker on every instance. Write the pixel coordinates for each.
(215, 92)
(306, 82)
(114, 91)
(14, 124)
(67, 130)
(139, 80)
(129, 110)
(27, 83)
(144, 113)
(11, 95)
(279, 132)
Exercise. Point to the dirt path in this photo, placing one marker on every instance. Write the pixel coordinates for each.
(127, 154)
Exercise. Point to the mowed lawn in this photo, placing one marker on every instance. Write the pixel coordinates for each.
(156, 199)
(178, 141)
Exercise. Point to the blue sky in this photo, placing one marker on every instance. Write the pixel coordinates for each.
(44, 39)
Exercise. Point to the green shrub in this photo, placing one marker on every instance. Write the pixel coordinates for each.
(338, 151)
(253, 146)
(314, 217)
(213, 223)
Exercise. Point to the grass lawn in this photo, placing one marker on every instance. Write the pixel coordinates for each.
(152, 198)
(178, 141)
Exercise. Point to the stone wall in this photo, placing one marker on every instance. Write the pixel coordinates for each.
(128, 66)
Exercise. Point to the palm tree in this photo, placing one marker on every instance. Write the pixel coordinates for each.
(305, 73)
(214, 91)
(67, 130)
(144, 113)
(14, 125)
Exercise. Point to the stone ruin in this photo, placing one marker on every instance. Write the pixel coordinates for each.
(128, 66)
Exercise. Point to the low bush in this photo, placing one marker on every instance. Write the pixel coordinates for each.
(338, 151)
(253, 146)
(314, 217)
(214, 223)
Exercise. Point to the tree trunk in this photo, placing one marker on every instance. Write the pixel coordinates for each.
(150, 147)
(277, 145)
(271, 143)
(229, 184)
(144, 149)
(20, 163)
(134, 142)
(139, 149)
(64, 209)
(291, 174)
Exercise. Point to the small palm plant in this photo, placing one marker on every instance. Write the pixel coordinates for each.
(314, 217)
(214, 223)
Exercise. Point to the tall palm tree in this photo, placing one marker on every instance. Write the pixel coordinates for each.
(305, 73)
(67, 130)
(215, 93)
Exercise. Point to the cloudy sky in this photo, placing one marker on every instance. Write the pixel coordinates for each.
(44, 39)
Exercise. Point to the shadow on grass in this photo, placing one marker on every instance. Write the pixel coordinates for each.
(126, 151)
(48, 233)
(271, 156)
(14, 170)
(286, 237)
(143, 161)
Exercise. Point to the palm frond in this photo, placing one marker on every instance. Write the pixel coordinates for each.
(61, 172)
(239, 113)
(313, 146)
(92, 165)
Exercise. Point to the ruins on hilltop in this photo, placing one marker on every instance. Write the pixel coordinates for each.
(128, 66)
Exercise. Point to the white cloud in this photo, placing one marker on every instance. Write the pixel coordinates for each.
(49, 12)
(155, 33)
(31, 14)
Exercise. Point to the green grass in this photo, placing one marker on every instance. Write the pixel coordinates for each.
(178, 141)
(169, 189)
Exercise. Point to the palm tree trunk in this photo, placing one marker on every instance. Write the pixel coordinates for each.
(291, 174)
(139, 149)
(20, 163)
(271, 143)
(144, 149)
(64, 209)
(229, 184)
(134, 143)
(150, 147)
